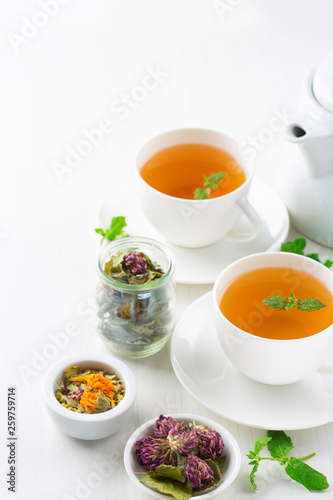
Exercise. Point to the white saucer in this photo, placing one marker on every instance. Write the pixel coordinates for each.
(202, 265)
(203, 369)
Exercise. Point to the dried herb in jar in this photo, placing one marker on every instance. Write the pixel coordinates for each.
(138, 318)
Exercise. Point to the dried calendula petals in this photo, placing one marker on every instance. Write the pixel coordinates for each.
(91, 391)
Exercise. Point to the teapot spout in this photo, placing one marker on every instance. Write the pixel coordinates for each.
(315, 143)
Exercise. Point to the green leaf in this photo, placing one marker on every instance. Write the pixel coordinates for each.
(313, 256)
(280, 444)
(306, 475)
(212, 180)
(251, 454)
(170, 472)
(253, 475)
(309, 305)
(216, 469)
(115, 230)
(260, 444)
(201, 193)
(175, 488)
(296, 246)
(220, 461)
(291, 301)
(276, 302)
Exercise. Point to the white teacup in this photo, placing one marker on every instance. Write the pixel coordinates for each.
(198, 223)
(267, 360)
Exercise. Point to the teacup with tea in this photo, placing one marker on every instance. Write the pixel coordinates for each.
(274, 316)
(193, 187)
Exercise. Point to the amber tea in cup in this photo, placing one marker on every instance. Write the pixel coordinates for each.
(274, 316)
(179, 170)
(242, 303)
(172, 166)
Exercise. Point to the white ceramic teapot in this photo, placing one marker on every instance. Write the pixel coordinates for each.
(306, 177)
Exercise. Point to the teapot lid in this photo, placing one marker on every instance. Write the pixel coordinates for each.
(322, 85)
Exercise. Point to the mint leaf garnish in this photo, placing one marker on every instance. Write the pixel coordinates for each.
(298, 246)
(201, 193)
(309, 305)
(279, 303)
(255, 464)
(212, 180)
(306, 475)
(276, 302)
(279, 444)
(116, 229)
(260, 444)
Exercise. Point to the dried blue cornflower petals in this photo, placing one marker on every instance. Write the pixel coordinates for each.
(198, 472)
(210, 444)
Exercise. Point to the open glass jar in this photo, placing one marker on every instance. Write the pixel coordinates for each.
(136, 319)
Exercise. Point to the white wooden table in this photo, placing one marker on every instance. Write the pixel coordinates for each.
(82, 85)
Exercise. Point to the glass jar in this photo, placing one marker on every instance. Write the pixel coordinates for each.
(136, 320)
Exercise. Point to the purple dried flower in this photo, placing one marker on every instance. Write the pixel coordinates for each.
(164, 425)
(183, 442)
(156, 452)
(210, 443)
(198, 472)
(135, 262)
(140, 444)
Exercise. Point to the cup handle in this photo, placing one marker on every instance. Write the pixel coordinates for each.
(259, 227)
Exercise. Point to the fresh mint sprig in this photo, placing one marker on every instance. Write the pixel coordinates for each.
(279, 444)
(116, 229)
(298, 246)
(279, 303)
(211, 182)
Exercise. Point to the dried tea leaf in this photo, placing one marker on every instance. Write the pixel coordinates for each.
(180, 491)
(216, 469)
(170, 472)
(72, 370)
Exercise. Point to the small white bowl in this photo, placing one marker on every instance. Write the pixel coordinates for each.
(231, 451)
(82, 425)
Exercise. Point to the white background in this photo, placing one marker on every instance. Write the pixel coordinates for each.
(233, 66)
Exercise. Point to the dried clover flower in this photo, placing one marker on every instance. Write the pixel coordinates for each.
(156, 452)
(164, 425)
(198, 472)
(182, 442)
(135, 262)
(210, 444)
(153, 452)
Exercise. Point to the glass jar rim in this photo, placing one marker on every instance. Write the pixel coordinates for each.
(133, 241)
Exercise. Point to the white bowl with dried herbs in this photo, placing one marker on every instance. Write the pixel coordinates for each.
(136, 296)
(89, 396)
(182, 455)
